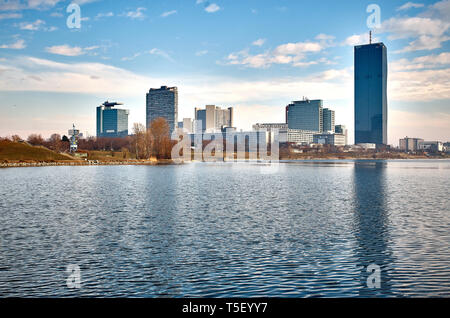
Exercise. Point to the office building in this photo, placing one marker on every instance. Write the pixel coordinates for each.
(371, 72)
(214, 119)
(410, 144)
(112, 122)
(342, 130)
(337, 140)
(431, 146)
(188, 125)
(328, 119)
(270, 128)
(305, 115)
(298, 136)
(163, 103)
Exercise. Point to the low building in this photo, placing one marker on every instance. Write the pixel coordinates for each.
(367, 146)
(271, 128)
(447, 147)
(299, 136)
(432, 146)
(341, 129)
(410, 144)
(329, 139)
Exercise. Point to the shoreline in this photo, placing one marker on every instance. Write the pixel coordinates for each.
(170, 162)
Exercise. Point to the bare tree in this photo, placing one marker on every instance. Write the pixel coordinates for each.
(36, 140)
(139, 141)
(160, 132)
(55, 143)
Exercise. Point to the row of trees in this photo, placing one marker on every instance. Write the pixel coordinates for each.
(144, 143)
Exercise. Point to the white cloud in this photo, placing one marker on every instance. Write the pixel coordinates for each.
(259, 42)
(427, 31)
(67, 50)
(4, 16)
(154, 51)
(14, 5)
(104, 15)
(168, 13)
(410, 5)
(289, 53)
(359, 39)
(161, 53)
(422, 62)
(212, 8)
(32, 26)
(56, 14)
(18, 45)
(201, 53)
(137, 14)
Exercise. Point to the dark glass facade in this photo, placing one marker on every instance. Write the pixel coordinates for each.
(305, 115)
(112, 122)
(371, 72)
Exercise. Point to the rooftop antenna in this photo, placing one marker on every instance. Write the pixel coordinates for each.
(370, 37)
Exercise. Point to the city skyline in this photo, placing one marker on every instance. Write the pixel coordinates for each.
(51, 76)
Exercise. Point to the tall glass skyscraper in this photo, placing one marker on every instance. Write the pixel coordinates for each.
(163, 102)
(112, 122)
(371, 72)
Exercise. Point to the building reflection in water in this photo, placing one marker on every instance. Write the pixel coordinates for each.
(371, 224)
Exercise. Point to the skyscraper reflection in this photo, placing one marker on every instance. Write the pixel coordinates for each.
(372, 224)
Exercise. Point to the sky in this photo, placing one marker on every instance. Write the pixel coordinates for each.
(254, 55)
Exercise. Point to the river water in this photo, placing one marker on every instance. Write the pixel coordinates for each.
(302, 229)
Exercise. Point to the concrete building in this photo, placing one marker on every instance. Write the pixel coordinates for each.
(447, 147)
(337, 140)
(270, 128)
(410, 144)
(432, 146)
(342, 130)
(112, 122)
(163, 103)
(299, 136)
(329, 120)
(305, 115)
(371, 72)
(187, 125)
(214, 119)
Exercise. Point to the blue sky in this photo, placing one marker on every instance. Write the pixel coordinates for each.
(255, 55)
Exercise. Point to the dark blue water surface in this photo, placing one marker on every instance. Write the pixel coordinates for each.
(306, 229)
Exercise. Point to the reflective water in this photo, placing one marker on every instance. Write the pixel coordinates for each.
(216, 230)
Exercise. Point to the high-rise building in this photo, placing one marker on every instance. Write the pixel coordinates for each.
(305, 115)
(342, 130)
(163, 103)
(112, 122)
(214, 119)
(328, 118)
(371, 72)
